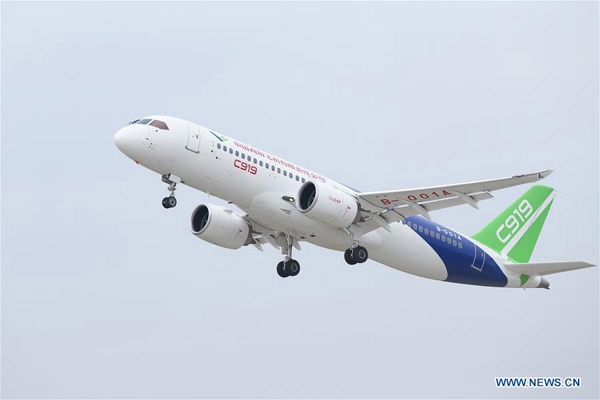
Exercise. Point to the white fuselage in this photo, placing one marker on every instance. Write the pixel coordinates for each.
(219, 165)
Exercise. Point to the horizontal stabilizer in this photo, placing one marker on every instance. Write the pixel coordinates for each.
(547, 268)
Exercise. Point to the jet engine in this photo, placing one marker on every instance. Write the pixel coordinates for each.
(327, 204)
(221, 226)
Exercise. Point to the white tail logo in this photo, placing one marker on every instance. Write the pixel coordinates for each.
(523, 211)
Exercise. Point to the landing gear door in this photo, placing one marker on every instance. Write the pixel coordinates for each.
(478, 259)
(193, 143)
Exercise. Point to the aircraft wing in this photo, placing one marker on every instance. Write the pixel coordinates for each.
(381, 208)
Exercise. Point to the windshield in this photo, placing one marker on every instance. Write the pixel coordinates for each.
(159, 124)
(149, 121)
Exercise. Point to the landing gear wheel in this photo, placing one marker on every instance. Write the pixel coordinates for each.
(360, 254)
(348, 257)
(169, 202)
(292, 267)
(281, 270)
(172, 201)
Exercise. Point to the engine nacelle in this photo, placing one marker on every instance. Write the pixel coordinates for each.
(327, 204)
(221, 226)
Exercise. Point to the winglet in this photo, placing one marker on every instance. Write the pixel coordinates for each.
(536, 176)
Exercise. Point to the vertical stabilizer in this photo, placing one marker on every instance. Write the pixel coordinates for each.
(515, 232)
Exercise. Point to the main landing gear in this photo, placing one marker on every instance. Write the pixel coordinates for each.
(289, 266)
(169, 201)
(356, 254)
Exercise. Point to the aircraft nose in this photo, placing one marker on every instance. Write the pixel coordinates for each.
(124, 141)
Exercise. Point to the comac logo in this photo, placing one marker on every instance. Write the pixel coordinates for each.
(512, 223)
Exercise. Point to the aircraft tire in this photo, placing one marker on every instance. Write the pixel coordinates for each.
(172, 201)
(281, 270)
(360, 254)
(292, 267)
(348, 257)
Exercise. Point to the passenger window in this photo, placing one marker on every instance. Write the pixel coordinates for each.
(443, 238)
(454, 243)
(267, 165)
(159, 124)
(273, 168)
(219, 146)
(460, 245)
(230, 150)
(420, 229)
(224, 148)
(291, 176)
(255, 161)
(303, 180)
(297, 178)
(260, 163)
(437, 236)
(278, 170)
(415, 227)
(237, 153)
(426, 231)
(409, 224)
(284, 172)
(431, 233)
(243, 156)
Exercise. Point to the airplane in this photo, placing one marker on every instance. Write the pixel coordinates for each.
(285, 204)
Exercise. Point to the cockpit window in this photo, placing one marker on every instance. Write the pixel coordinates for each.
(143, 121)
(159, 124)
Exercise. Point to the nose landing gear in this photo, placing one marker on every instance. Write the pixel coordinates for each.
(170, 201)
(357, 254)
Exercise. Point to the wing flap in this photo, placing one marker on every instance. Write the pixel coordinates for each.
(399, 213)
(547, 268)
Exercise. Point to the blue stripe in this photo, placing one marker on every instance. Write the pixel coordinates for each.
(464, 265)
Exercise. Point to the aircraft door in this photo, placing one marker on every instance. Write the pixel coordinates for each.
(193, 143)
(478, 258)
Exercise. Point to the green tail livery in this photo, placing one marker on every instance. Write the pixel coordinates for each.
(515, 232)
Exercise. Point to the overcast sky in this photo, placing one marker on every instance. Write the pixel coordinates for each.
(105, 294)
